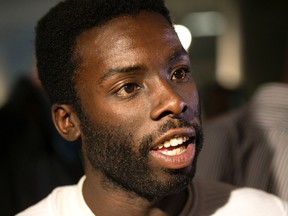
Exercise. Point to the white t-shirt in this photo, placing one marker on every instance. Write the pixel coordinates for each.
(215, 199)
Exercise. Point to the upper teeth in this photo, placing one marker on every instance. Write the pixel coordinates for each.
(173, 142)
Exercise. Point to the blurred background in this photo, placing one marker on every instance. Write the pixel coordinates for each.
(236, 45)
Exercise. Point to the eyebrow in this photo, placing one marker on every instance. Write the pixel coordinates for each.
(177, 55)
(117, 70)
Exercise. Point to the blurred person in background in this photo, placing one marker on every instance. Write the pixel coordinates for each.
(34, 157)
(249, 146)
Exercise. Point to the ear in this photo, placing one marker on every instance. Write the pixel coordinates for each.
(66, 121)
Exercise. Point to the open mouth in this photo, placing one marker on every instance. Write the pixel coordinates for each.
(175, 146)
(176, 149)
(175, 153)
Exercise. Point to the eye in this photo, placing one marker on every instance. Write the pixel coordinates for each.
(179, 74)
(128, 90)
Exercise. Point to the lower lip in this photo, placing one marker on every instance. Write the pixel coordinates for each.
(176, 161)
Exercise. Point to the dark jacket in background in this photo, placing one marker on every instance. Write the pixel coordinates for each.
(34, 158)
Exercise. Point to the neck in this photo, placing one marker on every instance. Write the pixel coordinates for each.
(104, 202)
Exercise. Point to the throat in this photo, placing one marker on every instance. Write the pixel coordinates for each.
(173, 204)
(120, 203)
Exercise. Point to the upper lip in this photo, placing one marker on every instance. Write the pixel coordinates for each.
(173, 133)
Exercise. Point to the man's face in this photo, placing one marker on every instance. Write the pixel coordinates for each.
(140, 119)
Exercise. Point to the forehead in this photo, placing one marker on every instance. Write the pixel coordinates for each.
(127, 40)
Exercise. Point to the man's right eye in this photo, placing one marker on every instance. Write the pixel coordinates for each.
(128, 90)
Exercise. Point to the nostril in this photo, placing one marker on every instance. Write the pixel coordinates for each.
(165, 113)
(184, 108)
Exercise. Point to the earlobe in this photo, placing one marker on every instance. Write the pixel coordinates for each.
(66, 121)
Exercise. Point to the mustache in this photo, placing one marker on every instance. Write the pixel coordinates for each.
(178, 124)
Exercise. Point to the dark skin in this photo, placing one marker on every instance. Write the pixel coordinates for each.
(133, 70)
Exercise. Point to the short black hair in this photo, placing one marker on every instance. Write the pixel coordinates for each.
(56, 35)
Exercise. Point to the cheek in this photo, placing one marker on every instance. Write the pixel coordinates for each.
(194, 97)
(133, 119)
(190, 95)
(133, 110)
(130, 117)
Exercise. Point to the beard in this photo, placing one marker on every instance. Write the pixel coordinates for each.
(112, 151)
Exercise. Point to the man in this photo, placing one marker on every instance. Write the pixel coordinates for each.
(120, 82)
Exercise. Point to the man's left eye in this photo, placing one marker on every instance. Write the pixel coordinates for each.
(179, 74)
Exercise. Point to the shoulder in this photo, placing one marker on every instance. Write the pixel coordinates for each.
(65, 200)
(43, 208)
(224, 199)
(249, 201)
(52, 204)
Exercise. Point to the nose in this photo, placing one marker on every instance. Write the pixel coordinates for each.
(166, 102)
